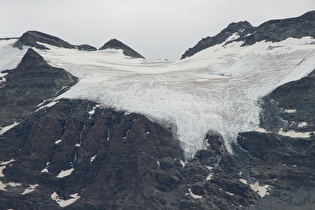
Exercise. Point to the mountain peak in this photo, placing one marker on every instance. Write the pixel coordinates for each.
(34, 38)
(32, 58)
(116, 44)
(273, 31)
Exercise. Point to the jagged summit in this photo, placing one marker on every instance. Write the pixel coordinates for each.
(116, 44)
(273, 31)
(34, 38)
(242, 28)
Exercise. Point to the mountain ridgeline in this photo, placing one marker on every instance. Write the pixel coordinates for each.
(37, 39)
(77, 153)
(272, 31)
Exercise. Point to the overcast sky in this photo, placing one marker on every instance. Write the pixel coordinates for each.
(154, 28)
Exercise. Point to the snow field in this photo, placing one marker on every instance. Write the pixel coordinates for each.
(216, 89)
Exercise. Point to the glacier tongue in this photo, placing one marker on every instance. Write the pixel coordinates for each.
(216, 89)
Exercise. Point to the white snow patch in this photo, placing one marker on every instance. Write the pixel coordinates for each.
(231, 194)
(1, 170)
(209, 168)
(91, 113)
(289, 110)
(92, 158)
(30, 189)
(261, 190)
(6, 128)
(302, 124)
(93, 110)
(58, 141)
(63, 203)
(194, 195)
(3, 165)
(232, 37)
(3, 186)
(45, 170)
(243, 181)
(182, 163)
(209, 177)
(10, 56)
(65, 173)
(294, 134)
(53, 103)
(40, 104)
(262, 130)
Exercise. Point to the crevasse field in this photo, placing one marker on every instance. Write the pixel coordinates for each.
(215, 90)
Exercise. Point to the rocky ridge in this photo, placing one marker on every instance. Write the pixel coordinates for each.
(115, 44)
(272, 31)
(36, 39)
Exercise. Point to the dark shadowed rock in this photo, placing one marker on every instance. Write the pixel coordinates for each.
(283, 162)
(29, 84)
(119, 161)
(115, 44)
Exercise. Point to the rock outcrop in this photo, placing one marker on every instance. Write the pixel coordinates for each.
(118, 45)
(114, 161)
(273, 31)
(283, 155)
(28, 85)
(35, 38)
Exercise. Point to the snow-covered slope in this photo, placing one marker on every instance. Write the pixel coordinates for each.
(216, 90)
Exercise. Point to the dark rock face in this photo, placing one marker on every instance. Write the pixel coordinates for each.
(122, 161)
(117, 160)
(242, 28)
(115, 44)
(286, 163)
(273, 31)
(32, 82)
(31, 38)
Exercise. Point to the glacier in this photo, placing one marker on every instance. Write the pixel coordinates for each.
(216, 90)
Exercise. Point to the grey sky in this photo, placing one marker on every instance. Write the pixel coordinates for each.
(154, 28)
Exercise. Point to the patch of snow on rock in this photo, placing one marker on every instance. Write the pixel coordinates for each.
(63, 203)
(4, 186)
(53, 103)
(261, 190)
(194, 195)
(65, 173)
(289, 111)
(294, 134)
(30, 189)
(45, 170)
(58, 141)
(6, 128)
(302, 124)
